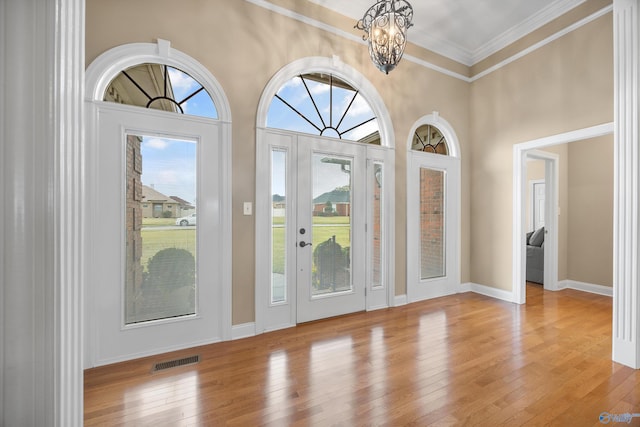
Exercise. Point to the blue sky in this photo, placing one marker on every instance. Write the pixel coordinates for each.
(331, 106)
(170, 164)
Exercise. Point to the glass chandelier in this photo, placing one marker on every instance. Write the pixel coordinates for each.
(385, 26)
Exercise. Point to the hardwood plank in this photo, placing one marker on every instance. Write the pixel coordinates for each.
(460, 360)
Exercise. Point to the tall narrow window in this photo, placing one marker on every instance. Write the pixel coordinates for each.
(278, 226)
(377, 203)
(432, 204)
(160, 279)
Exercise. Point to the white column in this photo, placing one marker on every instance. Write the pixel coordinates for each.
(41, 166)
(626, 339)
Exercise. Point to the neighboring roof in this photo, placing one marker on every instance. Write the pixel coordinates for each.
(334, 196)
(182, 201)
(151, 195)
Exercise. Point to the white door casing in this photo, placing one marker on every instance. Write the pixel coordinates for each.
(114, 340)
(276, 316)
(297, 304)
(449, 282)
(99, 75)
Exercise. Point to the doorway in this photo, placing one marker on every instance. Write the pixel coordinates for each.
(314, 208)
(520, 154)
(543, 212)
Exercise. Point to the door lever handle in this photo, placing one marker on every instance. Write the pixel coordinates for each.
(303, 244)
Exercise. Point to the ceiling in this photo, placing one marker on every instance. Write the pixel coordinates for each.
(467, 31)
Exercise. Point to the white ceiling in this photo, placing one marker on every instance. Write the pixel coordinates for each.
(467, 30)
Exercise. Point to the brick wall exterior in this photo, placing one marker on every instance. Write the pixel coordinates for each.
(376, 278)
(431, 223)
(133, 277)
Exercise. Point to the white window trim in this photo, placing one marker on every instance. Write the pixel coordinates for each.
(338, 68)
(351, 76)
(98, 76)
(453, 147)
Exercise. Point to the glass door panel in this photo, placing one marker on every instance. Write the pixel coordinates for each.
(432, 214)
(160, 227)
(331, 219)
(330, 229)
(278, 226)
(376, 232)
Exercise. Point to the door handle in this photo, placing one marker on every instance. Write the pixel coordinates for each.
(303, 244)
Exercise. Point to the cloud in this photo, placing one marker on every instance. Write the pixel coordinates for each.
(182, 84)
(156, 143)
(364, 130)
(359, 107)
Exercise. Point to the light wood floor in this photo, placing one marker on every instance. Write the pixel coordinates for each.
(459, 360)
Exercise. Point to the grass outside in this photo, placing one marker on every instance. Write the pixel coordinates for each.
(156, 222)
(154, 241)
(320, 234)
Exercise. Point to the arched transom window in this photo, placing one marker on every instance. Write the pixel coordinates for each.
(161, 87)
(323, 104)
(429, 139)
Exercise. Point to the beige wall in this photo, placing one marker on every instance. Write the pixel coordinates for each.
(563, 86)
(243, 46)
(585, 197)
(590, 225)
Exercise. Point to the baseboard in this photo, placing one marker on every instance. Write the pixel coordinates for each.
(464, 287)
(152, 352)
(488, 291)
(586, 287)
(244, 330)
(399, 300)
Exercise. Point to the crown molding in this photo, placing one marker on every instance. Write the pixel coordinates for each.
(543, 17)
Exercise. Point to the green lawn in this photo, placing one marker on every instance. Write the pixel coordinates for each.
(154, 222)
(320, 234)
(154, 241)
(185, 238)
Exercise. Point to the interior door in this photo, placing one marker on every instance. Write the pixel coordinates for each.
(539, 196)
(330, 251)
(149, 292)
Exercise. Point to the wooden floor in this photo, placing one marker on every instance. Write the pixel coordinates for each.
(459, 360)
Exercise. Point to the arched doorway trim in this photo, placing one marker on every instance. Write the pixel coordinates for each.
(107, 66)
(329, 66)
(98, 76)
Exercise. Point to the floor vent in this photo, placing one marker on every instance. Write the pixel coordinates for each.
(175, 363)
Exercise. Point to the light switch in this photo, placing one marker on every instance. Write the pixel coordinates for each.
(247, 208)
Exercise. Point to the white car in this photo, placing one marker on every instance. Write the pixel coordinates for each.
(186, 220)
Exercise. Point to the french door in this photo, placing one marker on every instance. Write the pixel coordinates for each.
(149, 290)
(312, 258)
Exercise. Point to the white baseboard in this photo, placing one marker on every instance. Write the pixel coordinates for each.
(244, 330)
(399, 300)
(464, 287)
(488, 291)
(586, 287)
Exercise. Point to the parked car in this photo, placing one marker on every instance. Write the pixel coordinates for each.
(186, 220)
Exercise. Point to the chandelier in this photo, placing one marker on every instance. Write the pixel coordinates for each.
(385, 26)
